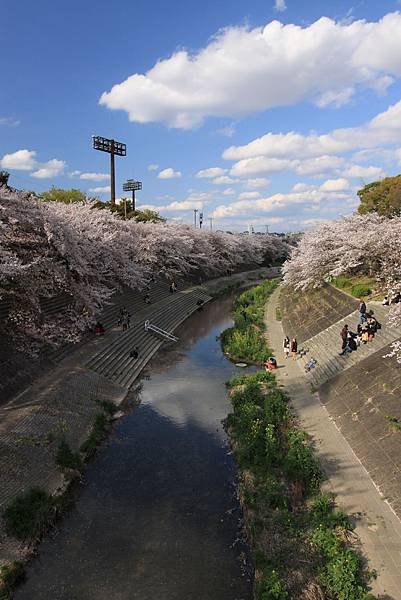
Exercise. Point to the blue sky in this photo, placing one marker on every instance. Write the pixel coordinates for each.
(227, 77)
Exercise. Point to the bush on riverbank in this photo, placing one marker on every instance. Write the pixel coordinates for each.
(29, 515)
(300, 541)
(246, 340)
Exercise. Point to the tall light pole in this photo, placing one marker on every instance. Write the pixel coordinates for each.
(267, 229)
(113, 148)
(195, 211)
(211, 223)
(132, 186)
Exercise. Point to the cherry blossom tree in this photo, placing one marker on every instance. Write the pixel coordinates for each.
(52, 249)
(368, 244)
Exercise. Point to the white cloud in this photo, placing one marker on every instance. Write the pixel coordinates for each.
(183, 205)
(325, 62)
(100, 190)
(51, 168)
(227, 131)
(153, 167)
(223, 180)
(74, 174)
(260, 164)
(9, 121)
(21, 160)
(316, 197)
(169, 174)
(365, 173)
(258, 182)
(94, 176)
(302, 187)
(335, 185)
(211, 172)
(280, 5)
(248, 195)
(228, 192)
(385, 128)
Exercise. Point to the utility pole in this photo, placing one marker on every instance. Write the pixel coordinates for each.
(131, 186)
(113, 148)
(211, 223)
(195, 211)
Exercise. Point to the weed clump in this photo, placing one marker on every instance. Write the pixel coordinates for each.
(246, 340)
(28, 516)
(66, 458)
(10, 576)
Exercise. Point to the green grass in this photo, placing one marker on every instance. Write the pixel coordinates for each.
(10, 576)
(393, 422)
(246, 340)
(297, 534)
(66, 458)
(357, 285)
(28, 516)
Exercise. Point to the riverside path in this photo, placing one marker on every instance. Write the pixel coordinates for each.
(377, 527)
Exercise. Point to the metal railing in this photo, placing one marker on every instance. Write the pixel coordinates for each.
(169, 336)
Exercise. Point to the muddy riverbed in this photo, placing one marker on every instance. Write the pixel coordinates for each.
(157, 517)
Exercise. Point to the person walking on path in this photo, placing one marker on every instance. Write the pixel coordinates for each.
(286, 346)
(344, 337)
(362, 311)
(294, 348)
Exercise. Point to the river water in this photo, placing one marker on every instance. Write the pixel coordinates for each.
(158, 517)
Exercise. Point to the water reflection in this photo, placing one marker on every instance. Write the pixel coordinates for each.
(158, 516)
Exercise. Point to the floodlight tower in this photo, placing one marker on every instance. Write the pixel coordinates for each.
(132, 186)
(195, 211)
(113, 148)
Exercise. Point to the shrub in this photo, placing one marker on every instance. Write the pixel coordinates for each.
(342, 574)
(341, 282)
(10, 576)
(258, 377)
(29, 515)
(99, 430)
(324, 513)
(66, 458)
(272, 587)
(361, 289)
(300, 462)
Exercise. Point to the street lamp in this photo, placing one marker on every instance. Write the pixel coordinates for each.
(113, 148)
(132, 186)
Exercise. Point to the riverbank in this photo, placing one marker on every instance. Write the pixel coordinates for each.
(303, 546)
(69, 405)
(157, 516)
(376, 526)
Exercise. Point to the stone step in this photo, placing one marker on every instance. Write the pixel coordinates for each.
(114, 362)
(326, 346)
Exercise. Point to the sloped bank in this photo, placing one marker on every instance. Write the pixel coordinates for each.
(70, 414)
(302, 545)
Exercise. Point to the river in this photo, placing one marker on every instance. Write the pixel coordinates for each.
(157, 517)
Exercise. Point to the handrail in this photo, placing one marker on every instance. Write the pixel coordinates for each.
(150, 327)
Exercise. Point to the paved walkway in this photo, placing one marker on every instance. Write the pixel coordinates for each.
(376, 525)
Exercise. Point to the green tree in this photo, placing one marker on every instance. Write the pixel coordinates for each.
(61, 195)
(141, 216)
(382, 197)
(146, 216)
(4, 177)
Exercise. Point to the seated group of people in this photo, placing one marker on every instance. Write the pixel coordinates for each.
(366, 331)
